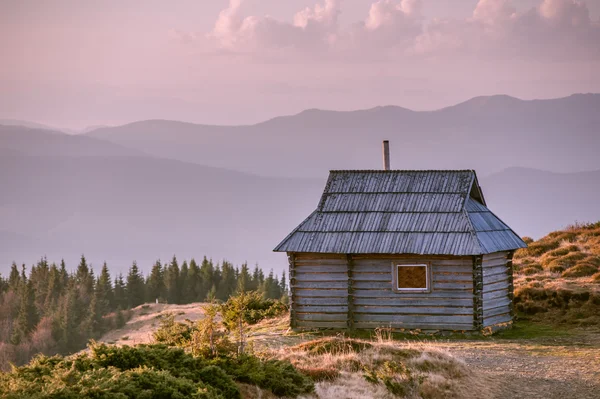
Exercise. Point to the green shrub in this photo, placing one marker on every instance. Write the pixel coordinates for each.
(172, 333)
(148, 371)
(216, 377)
(278, 376)
(256, 309)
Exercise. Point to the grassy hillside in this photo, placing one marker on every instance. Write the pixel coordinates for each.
(558, 276)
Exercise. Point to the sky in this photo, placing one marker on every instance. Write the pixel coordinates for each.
(73, 64)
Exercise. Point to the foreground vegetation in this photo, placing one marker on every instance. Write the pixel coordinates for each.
(557, 278)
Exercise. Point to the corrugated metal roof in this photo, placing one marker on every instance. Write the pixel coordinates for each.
(402, 212)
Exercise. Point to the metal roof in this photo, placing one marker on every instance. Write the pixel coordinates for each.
(402, 212)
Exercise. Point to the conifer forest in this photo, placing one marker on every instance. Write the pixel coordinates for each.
(49, 309)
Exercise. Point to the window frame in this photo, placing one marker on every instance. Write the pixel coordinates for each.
(396, 288)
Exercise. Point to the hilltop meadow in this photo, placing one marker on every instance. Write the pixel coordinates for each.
(219, 331)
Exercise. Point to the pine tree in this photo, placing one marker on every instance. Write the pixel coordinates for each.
(27, 317)
(91, 326)
(206, 277)
(104, 292)
(64, 275)
(54, 290)
(283, 284)
(244, 278)
(120, 295)
(39, 276)
(227, 285)
(135, 287)
(172, 282)
(194, 282)
(68, 337)
(155, 286)
(14, 278)
(184, 296)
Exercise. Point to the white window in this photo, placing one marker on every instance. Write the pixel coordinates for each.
(411, 277)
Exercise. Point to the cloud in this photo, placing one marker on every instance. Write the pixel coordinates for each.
(559, 29)
(312, 28)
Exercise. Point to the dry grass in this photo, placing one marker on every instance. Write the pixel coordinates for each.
(353, 368)
(557, 277)
(145, 320)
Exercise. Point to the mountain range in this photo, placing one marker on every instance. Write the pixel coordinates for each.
(152, 189)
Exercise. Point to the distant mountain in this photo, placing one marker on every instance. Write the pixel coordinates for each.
(121, 209)
(485, 133)
(32, 125)
(535, 202)
(29, 141)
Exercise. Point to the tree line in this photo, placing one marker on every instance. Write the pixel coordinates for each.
(51, 310)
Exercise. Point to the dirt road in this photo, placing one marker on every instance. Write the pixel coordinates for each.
(520, 370)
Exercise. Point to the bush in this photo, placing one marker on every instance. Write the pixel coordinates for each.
(276, 375)
(216, 377)
(148, 371)
(256, 309)
(172, 333)
(581, 269)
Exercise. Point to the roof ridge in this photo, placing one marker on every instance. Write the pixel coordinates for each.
(472, 230)
(400, 170)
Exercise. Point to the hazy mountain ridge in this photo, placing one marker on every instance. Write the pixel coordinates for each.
(64, 195)
(42, 142)
(488, 134)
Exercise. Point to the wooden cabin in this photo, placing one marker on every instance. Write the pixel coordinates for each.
(401, 249)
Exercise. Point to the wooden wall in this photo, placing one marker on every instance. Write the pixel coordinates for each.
(319, 284)
(355, 291)
(497, 288)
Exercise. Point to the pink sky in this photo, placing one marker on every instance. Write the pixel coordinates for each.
(73, 64)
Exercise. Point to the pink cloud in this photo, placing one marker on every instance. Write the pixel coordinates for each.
(395, 28)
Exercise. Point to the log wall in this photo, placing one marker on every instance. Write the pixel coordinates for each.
(355, 291)
(497, 288)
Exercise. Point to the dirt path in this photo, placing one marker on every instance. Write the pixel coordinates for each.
(518, 370)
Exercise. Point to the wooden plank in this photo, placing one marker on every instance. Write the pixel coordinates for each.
(457, 285)
(320, 284)
(496, 278)
(490, 271)
(500, 293)
(495, 312)
(496, 302)
(401, 301)
(467, 278)
(321, 324)
(308, 293)
(495, 256)
(321, 276)
(372, 276)
(322, 316)
(416, 319)
(494, 263)
(440, 259)
(320, 269)
(503, 318)
(495, 286)
(321, 301)
(321, 309)
(420, 310)
(415, 326)
(372, 284)
(384, 294)
(467, 269)
(380, 268)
